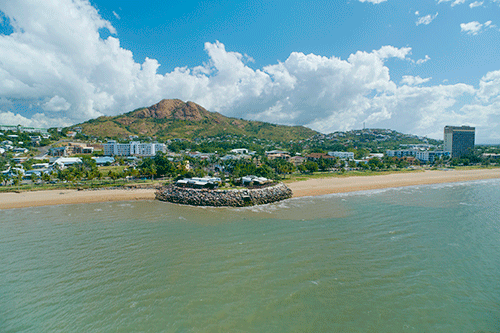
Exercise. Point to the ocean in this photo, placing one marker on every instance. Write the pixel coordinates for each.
(416, 259)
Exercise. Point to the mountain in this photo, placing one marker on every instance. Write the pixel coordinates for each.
(173, 118)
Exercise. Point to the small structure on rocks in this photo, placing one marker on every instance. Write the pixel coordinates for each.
(220, 198)
(195, 182)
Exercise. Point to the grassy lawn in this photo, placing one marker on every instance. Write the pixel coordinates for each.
(83, 185)
(329, 174)
(114, 168)
(318, 175)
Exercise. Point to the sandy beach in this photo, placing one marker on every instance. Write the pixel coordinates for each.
(61, 197)
(323, 186)
(309, 187)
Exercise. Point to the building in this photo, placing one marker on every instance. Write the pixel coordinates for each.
(59, 151)
(23, 129)
(431, 155)
(316, 156)
(297, 160)
(103, 160)
(401, 153)
(459, 141)
(63, 162)
(133, 148)
(239, 151)
(346, 155)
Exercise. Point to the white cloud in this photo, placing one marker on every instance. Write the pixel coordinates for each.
(57, 60)
(373, 1)
(476, 4)
(414, 80)
(425, 59)
(56, 104)
(453, 2)
(116, 15)
(474, 27)
(37, 120)
(427, 19)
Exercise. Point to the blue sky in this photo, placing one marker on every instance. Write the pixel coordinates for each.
(412, 66)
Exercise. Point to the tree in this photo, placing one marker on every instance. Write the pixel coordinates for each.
(33, 177)
(311, 166)
(18, 177)
(113, 175)
(375, 163)
(45, 177)
(265, 171)
(163, 165)
(151, 171)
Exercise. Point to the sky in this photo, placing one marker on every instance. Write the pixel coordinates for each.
(411, 66)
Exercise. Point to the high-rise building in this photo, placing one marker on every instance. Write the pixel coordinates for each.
(459, 141)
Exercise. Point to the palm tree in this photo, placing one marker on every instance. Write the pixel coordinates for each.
(45, 177)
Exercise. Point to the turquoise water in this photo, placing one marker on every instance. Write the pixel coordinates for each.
(417, 259)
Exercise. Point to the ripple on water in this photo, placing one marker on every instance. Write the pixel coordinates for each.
(422, 258)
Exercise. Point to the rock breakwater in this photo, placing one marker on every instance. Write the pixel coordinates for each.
(220, 198)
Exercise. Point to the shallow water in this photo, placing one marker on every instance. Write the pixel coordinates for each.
(422, 259)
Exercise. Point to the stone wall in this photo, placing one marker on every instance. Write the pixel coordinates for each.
(219, 198)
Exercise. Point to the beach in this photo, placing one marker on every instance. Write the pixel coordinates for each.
(311, 187)
(62, 197)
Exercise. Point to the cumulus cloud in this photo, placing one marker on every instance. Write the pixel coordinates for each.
(56, 59)
(414, 80)
(37, 120)
(474, 27)
(56, 104)
(427, 19)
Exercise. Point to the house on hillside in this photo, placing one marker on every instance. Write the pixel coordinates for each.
(316, 156)
(297, 160)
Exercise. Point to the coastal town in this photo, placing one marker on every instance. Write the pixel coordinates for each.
(34, 158)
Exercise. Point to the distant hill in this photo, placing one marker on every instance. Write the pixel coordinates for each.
(173, 118)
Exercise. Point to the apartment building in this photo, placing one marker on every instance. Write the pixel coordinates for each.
(133, 148)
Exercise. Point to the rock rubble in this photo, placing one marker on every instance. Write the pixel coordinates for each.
(221, 198)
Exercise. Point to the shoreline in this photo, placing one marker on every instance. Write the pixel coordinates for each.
(310, 187)
(322, 186)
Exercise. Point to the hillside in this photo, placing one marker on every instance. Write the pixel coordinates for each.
(173, 118)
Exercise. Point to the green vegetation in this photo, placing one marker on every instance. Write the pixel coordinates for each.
(168, 122)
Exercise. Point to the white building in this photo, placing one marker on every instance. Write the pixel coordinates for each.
(22, 129)
(239, 151)
(431, 156)
(342, 154)
(133, 148)
(64, 162)
(401, 153)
